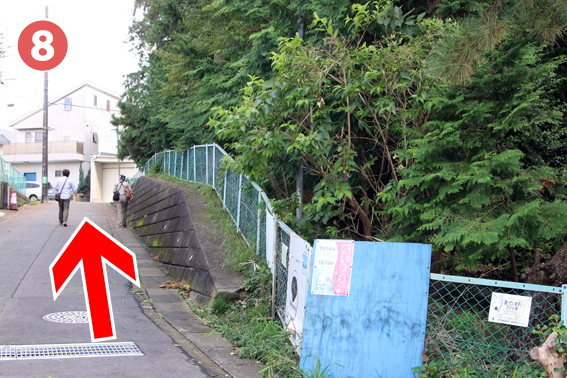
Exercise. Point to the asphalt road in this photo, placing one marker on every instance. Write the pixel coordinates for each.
(29, 242)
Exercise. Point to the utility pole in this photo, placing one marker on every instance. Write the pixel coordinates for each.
(44, 170)
(117, 140)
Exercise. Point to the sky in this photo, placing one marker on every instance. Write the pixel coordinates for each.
(96, 32)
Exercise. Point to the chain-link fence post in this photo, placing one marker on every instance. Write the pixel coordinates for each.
(564, 305)
(214, 164)
(224, 192)
(194, 164)
(238, 204)
(175, 166)
(258, 225)
(181, 169)
(188, 154)
(207, 164)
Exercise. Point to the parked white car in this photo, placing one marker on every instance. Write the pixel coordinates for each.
(33, 191)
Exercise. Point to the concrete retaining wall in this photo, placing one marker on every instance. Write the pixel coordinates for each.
(170, 220)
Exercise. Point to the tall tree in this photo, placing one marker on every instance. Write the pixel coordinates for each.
(339, 108)
(198, 54)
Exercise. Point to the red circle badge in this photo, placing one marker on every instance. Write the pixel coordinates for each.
(42, 45)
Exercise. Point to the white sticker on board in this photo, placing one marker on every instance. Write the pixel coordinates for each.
(510, 309)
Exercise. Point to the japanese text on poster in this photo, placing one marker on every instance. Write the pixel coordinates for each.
(510, 309)
(332, 267)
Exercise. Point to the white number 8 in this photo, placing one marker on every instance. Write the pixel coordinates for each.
(42, 45)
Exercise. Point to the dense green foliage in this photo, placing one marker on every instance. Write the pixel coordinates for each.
(433, 121)
(197, 54)
(338, 108)
(471, 190)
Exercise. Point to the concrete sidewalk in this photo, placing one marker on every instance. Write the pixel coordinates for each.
(171, 313)
(30, 240)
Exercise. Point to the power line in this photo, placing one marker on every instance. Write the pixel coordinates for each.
(87, 107)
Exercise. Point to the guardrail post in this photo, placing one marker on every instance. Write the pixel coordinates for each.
(238, 203)
(194, 164)
(207, 164)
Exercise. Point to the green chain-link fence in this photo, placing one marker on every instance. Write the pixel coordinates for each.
(458, 329)
(16, 180)
(243, 199)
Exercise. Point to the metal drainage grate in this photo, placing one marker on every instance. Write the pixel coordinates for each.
(37, 352)
(7, 353)
(67, 317)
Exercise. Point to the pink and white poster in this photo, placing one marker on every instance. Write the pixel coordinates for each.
(332, 267)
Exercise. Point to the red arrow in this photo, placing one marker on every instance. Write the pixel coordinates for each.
(91, 249)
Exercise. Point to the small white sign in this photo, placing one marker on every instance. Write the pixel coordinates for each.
(510, 309)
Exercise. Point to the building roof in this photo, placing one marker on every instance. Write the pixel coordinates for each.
(4, 140)
(62, 96)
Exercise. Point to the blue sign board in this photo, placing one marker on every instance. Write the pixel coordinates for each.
(378, 330)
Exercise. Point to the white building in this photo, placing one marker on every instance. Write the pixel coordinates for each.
(80, 134)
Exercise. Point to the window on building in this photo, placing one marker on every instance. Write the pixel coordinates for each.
(39, 136)
(110, 137)
(67, 104)
(58, 174)
(29, 137)
(94, 100)
(107, 105)
(95, 138)
(66, 138)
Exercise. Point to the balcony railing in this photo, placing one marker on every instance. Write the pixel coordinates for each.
(73, 147)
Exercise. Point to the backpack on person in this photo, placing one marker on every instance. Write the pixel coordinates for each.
(129, 194)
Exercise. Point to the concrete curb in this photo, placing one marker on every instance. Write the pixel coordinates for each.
(170, 307)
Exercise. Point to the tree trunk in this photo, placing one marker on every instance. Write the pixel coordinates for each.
(513, 268)
(366, 221)
(552, 273)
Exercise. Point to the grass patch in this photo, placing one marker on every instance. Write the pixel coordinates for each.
(246, 323)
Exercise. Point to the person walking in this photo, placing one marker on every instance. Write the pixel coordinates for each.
(64, 187)
(126, 194)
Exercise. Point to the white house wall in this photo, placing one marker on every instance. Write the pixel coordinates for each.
(75, 125)
(105, 174)
(73, 168)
